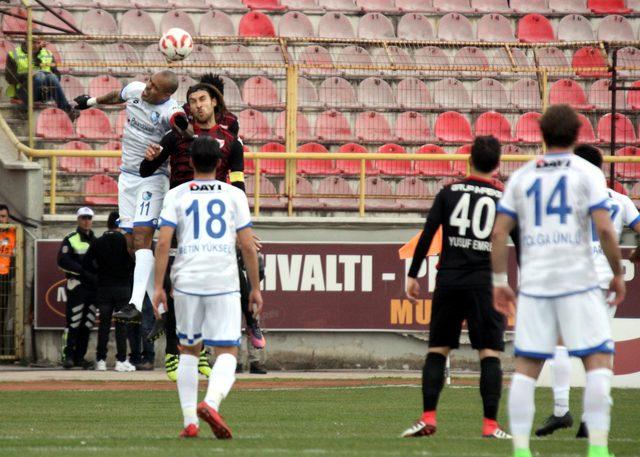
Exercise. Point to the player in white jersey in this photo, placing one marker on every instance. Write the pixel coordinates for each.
(623, 214)
(554, 200)
(208, 217)
(150, 111)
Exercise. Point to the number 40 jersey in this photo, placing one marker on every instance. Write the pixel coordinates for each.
(206, 216)
(552, 198)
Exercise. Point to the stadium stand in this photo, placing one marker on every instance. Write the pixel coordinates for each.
(415, 26)
(216, 23)
(575, 27)
(495, 27)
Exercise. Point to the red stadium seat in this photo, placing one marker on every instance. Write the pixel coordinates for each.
(256, 24)
(418, 6)
(121, 121)
(372, 127)
(392, 55)
(301, 5)
(379, 195)
(569, 6)
(77, 164)
(110, 164)
(535, 28)
(385, 6)
(452, 126)
(12, 24)
(471, 56)
(551, 57)
(237, 54)
(303, 128)
(574, 27)
(304, 197)
(633, 97)
(184, 82)
(339, 5)
(376, 26)
(414, 26)
(501, 58)
(80, 51)
(375, 93)
(272, 166)
(335, 25)
(232, 95)
(460, 6)
(179, 19)
(315, 166)
(451, 93)
(413, 194)
(529, 6)
(589, 57)
(433, 167)
(492, 123)
(53, 123)
(201, 54)
(624, 134)
(216, 23)
(152, 54)
(51, 19)
(460, 167)
(100, 190)
(307, 93)
(333, 126)
(5, 48)
(455, 27)
(121, 52)
(412, 127)
(570, 92)
(254, 125)
(269, 197)
(318, 57)
(354, 55)
(495, 27)
(335, 193)
(412, 93)
(260, 91)
(615, 28)
(103, 84)
(295, 24)
(600, 96)
(586, 133)
(98, 22)
(393, 167)
(629, 57)
(525, 94)
(269, 5)
(431, 56)
(491, 6)
(608, 6)
(352, 167)
(72, 86)
(528, 128)
(337, 93)
(628, 170)
(489, 93)
(94, 124)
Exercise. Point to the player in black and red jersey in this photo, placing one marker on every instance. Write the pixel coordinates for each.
(466, 211)
(204, 112)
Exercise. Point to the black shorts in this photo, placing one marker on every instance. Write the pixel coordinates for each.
(450, 307)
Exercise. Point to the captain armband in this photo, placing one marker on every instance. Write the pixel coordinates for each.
(236, 176)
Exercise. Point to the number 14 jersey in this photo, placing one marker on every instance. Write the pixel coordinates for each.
(552, 198)
(207, 214)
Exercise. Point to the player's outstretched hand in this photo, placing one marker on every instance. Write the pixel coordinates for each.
(255, 302)
(635, 255)
(81, 102)
(413, 289)
(153, 150)
(618, 290)
(504, 301)
(159, 296)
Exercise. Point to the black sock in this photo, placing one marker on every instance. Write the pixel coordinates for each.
(432, 380)
(490, 386)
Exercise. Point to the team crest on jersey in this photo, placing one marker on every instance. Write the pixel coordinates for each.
(155, 117)
(146, 196)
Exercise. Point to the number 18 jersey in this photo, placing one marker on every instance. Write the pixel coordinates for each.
(552, 198)
(207, 214)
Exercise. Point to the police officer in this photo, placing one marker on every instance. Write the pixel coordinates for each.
(81, 286)
(46, 82)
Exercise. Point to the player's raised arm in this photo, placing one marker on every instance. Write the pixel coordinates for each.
(87, 101)
(609, 242)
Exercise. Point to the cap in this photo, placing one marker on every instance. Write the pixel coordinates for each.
(84, 211)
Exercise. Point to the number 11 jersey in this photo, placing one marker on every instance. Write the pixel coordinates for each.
(207, 214)
(552, 198)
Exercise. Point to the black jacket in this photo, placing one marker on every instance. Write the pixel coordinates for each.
(109, 259)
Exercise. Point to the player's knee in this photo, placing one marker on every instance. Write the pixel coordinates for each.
(597, 361)
(233, 350)
(484, 353)
(142, 238)
(440, 350)
(190, 350)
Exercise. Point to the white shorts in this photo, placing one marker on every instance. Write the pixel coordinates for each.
(140, 200)
(214, 320)
(581, 320)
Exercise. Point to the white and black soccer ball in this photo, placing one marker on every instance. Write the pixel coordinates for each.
(176, 44)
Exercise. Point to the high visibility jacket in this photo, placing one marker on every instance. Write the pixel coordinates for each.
(45, 57)
(7, 248)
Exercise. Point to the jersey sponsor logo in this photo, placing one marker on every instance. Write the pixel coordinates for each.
(195, 187)
(135, 123)
(554, 164)
(463, 187)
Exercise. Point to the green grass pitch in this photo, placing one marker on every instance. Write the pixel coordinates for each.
(305, 422)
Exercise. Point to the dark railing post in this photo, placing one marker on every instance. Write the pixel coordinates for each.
(613, 88)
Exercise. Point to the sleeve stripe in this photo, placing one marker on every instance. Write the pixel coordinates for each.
(244, 226)
(502, 210)
(166, 223)
(634, 222)
(602, 205)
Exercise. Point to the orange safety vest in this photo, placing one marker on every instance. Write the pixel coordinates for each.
(7, 249)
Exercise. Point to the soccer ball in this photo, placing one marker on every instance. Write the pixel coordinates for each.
(176, 44)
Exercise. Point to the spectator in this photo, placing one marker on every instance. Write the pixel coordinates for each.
(81, 311)
(46, 77)
(7, 251)
(109, 259)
